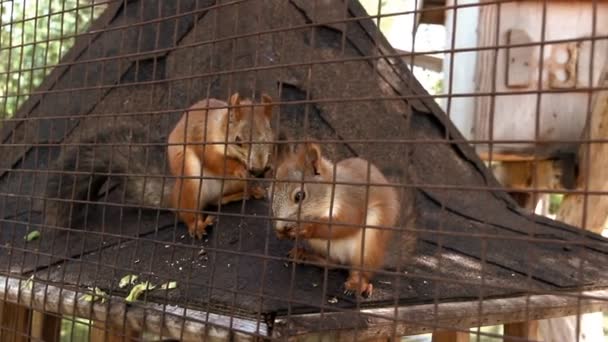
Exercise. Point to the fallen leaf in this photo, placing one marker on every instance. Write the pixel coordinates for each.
(29, 283)
(168, 286)
(129, 279)
(97, 295)
(33, 235)
(138, 289)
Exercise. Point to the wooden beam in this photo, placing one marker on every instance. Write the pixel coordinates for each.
(45, 327)
(430, 16)
(170, 321)
(506, 156)
(588, 212)
(450, 336)
(100, 332)
(424, 61)
(527, 175)
(521, 331)
(15, 320)
(420, 319)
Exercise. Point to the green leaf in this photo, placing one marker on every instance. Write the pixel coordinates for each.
(138, 289)
(33, 235)
(168, 286)
(29, 283)
(129, 279)
(97, 295)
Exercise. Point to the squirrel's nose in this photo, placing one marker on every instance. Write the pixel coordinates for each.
(280, 225)
(259, 172)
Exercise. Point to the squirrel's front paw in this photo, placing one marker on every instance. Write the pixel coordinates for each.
(241, 172)
(297, 254)
(302, 231)
(282, 234)
(257, 192)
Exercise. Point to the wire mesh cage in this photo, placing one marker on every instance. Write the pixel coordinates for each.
(303, 170)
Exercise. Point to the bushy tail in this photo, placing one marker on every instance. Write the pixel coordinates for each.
(118, 156)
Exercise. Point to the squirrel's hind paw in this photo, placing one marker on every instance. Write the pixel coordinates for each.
(199, 228)
(353, 287)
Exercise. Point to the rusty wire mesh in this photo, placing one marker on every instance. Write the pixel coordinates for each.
(93, 240)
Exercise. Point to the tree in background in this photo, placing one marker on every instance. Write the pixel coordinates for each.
(34, 35)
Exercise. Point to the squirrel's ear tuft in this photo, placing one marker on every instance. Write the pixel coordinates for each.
(234, 100)
(283, 147)
(267, 102)
(235, 111)
(312, 157)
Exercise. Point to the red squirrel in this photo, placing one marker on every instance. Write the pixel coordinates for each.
(240, 137)
(293, 204)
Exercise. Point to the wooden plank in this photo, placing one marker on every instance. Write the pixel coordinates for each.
(450, 336)
(170, 321)
(428, 15)
(15, 322)
(102, 333)
(420, 319)
(485, 61)
(521, 331)
(485, 155)
(424, 61)
(45, 327)
(519, 60)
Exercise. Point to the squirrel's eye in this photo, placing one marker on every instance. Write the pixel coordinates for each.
(238, 140)
(299, 196)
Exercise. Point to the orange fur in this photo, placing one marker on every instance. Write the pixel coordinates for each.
(346, 224)
(354, 209)
(191, 160)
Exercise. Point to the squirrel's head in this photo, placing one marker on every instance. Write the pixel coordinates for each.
(295, 195)
(250, 134)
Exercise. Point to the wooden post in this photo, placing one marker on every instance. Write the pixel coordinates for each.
(15, 322)
(102, 333)
(45, 327)
(592, 171)
(593, 161)
(450, 336)
(523, 330)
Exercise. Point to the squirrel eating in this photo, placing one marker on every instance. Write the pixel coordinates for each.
(344, 211)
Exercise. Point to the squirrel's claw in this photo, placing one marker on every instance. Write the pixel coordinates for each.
(368, 291)
(297, 254)
(200, 227)
(364, 289)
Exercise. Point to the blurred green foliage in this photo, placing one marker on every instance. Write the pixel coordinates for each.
(75, 329)
(555, 201)
(34, 35)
